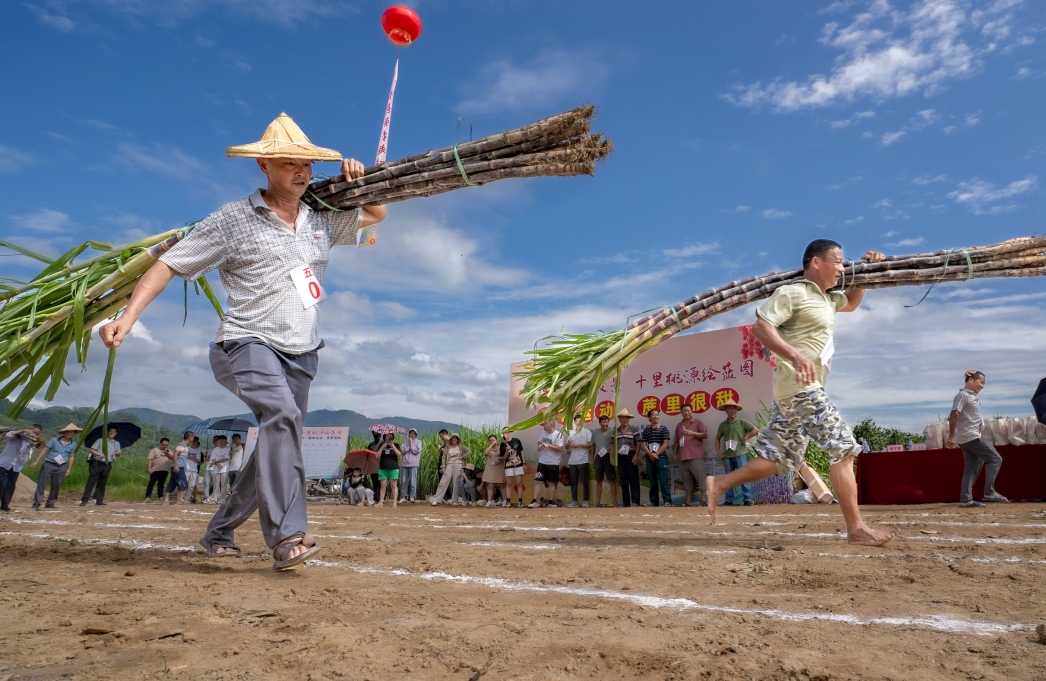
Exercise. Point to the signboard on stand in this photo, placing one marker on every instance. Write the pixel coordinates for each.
(703, 370)
(322, 448)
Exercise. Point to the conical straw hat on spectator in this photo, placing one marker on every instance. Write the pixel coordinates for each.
(284, 139)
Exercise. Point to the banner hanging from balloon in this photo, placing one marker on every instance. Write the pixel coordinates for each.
(383, 141)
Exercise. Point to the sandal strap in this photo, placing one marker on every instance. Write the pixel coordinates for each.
(284, 547)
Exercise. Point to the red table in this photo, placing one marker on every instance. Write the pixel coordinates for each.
(934, 476)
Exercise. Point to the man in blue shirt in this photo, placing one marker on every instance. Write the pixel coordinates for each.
(13, 458)
(58, 460)
(178, 466)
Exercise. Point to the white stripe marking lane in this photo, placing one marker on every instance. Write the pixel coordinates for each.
(936, 622)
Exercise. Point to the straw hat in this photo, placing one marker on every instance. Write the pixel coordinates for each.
(470, 467)
(71, 428)
(624, 413)
(730, 403)
(284, 139)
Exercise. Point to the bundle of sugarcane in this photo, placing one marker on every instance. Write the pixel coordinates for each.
(43, 319)
(560, 145)
(564, 377)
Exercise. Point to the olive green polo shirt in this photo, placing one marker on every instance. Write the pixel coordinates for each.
(805, 318)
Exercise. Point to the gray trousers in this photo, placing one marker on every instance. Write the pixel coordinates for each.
(52, 473)
(977, 454)
(275, 387)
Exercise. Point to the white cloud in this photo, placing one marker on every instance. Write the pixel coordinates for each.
(12, 160)
(889, 138)
(58, 22)
(775, 214)
(883, 203)
(692, 250)
(901, 365)
(907, 242)
(969, 120)
(548, 79)
(887, 52)
(163, 159)
(926, 179)
(890, 234)
(982, 198)
(289, 15)
(853, 221)
(844, 183)
(739, 209)
(43, 220)
(852, 120)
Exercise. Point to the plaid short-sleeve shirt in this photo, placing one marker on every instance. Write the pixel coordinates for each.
(254, 253)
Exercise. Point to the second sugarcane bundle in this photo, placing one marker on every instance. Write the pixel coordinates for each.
(565, 377)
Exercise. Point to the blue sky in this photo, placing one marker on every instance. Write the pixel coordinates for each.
(742, 131)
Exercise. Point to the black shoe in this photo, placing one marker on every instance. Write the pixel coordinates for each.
(100, 503)
(5, 508)
(48, 506)
(749, 503)
(83, 502)
(36, 507)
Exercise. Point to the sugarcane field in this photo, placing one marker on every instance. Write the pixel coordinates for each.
(681, 341)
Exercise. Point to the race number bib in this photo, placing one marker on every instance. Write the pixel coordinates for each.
(59, 459)
(731, 445)
(623, 451)
(682, 441)
(602, 452)
(654, 448)
(308, 286)
(827, 352)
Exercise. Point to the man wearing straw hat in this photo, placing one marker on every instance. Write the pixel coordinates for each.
(271, 251)
(58, 458)
(796, 324)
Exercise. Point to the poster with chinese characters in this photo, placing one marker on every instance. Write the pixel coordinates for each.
(703, 370)
(322, 448)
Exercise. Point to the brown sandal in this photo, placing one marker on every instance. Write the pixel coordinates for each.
(221, 550)
(282, 551)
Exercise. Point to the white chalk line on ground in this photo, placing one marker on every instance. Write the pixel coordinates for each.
(43, 521)
(935, 622)
(511, 546)
(835, 535)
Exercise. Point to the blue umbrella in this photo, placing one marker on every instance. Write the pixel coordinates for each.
(1038, 401)
(127, 433)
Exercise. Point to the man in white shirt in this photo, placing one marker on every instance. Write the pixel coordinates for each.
(580, 443)
(218, 464)
(235, 459)
(550, 445)
(100, 464)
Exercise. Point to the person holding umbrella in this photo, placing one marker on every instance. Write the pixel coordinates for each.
(388, 469)
(100, 464)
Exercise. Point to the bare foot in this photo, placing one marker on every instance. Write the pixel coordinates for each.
(866, 536)
(395, 504)
(713, 497)
(380, 503)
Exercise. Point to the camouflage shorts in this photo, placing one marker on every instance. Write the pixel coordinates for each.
(796, 420)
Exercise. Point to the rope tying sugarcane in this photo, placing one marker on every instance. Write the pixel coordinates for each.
(457, 159)
(947, 257)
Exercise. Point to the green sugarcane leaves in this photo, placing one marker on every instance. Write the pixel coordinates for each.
(41, 321)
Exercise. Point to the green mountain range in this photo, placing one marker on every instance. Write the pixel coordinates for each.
(157, 423)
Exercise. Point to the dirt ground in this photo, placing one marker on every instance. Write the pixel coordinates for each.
(772, 592)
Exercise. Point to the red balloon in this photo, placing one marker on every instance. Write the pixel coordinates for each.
(401, 24)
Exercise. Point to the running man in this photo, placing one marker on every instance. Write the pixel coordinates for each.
(271, 251)
(796, 324)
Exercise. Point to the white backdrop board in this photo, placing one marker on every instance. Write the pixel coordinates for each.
(702, 369)
(322, 448)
